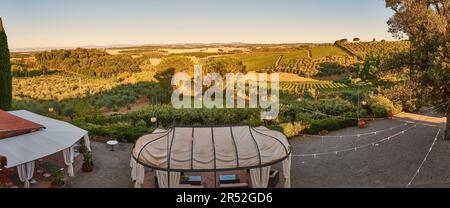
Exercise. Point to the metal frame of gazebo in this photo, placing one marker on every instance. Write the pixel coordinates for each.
(215, 169)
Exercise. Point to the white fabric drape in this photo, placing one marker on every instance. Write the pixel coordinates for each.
(163, 180)
(260, 177)
(68, 159)
(133, 168)
(25, 172)
(139, 175)
(287, 172)
(87, 142)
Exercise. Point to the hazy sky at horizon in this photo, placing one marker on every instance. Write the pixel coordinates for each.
(69, 23)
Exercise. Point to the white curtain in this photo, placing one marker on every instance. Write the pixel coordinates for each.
(87, 142)
(163, 180)
(260, 177)
(25, 172)
(68, 159)
(287, 172)
(133, 168)
(139, 175)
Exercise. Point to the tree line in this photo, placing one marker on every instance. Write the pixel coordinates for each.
(92, 62)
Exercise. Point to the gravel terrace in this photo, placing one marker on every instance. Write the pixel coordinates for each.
(391, 163)
(111, 169)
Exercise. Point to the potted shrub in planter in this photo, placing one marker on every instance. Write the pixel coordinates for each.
(184, 179)
(82, 149)
(361, 124)
(88, 164)
(57, 179)
(390, 114)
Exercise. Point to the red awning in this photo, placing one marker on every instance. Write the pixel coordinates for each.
(11, 125)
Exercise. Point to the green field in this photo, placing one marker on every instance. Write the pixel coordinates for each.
(324, 51)
(259, 60)
(263, 60)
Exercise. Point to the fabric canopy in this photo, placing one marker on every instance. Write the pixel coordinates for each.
(185, 149)
(56, 137)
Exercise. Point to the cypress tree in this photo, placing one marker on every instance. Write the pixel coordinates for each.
(5, 71)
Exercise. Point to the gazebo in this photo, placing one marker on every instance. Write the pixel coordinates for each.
(182, 149)
(26, 137)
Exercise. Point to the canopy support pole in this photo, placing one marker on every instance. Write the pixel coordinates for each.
(235, 147)
(259, 153)
(168, 157)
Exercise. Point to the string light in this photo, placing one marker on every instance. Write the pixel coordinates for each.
(343, 117)
(359, 135)
(433, 108)
(424, 159)
(376, 143)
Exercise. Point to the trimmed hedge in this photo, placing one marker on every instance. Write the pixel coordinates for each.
(329, 124)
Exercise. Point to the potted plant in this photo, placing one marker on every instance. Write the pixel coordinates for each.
(390, 114)
(57, 179)
(82, 149)
(184, 179)
(88, 164)
(361, 124)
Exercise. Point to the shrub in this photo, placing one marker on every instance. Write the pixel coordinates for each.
(126, 132)
(405, 95)
(378, 103)
(167, 116)
(379, 112)
(292, 130)
(353, 96)
(329, 124)
(57, 178)
(178, 63)
(311, 94)
(141, 123)
(330, 69)
(276, 128)
(333, 106)
(120, 130)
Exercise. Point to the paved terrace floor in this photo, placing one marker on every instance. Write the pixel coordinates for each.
(392, 163)
(111, 169)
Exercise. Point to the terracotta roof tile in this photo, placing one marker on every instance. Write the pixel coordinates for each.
(11, 125)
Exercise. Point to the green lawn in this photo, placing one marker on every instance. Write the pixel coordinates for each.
(323, 51)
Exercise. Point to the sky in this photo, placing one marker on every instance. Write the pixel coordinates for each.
(72, 23)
